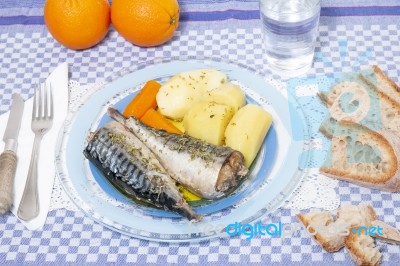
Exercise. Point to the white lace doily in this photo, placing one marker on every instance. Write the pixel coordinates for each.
(59, 199)
(315, 191)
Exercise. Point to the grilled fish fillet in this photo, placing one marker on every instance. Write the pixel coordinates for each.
(131, 167)
(207, 170)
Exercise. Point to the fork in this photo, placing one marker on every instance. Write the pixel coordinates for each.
(42, 120)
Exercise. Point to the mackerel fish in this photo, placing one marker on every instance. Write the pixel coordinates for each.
(132, 168)
(207, 170)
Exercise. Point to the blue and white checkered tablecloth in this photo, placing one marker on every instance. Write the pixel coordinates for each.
(218, 28)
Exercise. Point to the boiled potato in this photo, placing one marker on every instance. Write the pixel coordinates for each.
(228, 94)
(180, 92)
(177, 124)
(246, 131)
(207, 121)
(206, 79)
(175, 97)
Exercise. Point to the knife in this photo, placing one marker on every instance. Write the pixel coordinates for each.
(8, 159)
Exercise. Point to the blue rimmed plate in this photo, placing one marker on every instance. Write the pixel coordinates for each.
(274, 174)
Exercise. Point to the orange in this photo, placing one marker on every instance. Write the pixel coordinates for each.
(77, 24)
(145, 22)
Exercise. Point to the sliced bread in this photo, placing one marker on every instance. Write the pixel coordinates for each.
(359, 244)
(329, 242)
(362, 156)
(348, 217)
(362, 249)
(389, 234)
(356, 216)
(368, 105)
(383, 83)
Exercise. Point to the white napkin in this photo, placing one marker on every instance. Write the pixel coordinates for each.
(46, 168)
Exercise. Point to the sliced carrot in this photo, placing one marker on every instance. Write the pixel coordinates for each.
(155, 119)
(143, 101)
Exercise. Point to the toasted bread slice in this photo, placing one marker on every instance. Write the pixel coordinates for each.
(362, 249)
(362, 156)
(329, 242)
(382, 82)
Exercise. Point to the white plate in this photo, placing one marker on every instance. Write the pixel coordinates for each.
(274, 174)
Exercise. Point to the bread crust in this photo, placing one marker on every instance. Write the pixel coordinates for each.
(360, 245)
(383, 76)
(329, 245)
(349, 216)
(371, 214)
(389, 181)
(357, 253)
(387, 139)
(389, 233)
(389, 107)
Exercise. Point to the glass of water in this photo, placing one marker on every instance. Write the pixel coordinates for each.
(290, 30)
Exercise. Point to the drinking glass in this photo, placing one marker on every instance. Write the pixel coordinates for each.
(290, 30)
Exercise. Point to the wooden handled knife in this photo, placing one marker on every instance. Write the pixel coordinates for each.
(8, 159)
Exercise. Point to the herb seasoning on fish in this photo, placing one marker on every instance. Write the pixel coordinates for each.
(132, 168)
(207, 170)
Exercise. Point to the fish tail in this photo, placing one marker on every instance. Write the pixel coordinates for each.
(186, 210)
(116, 115)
